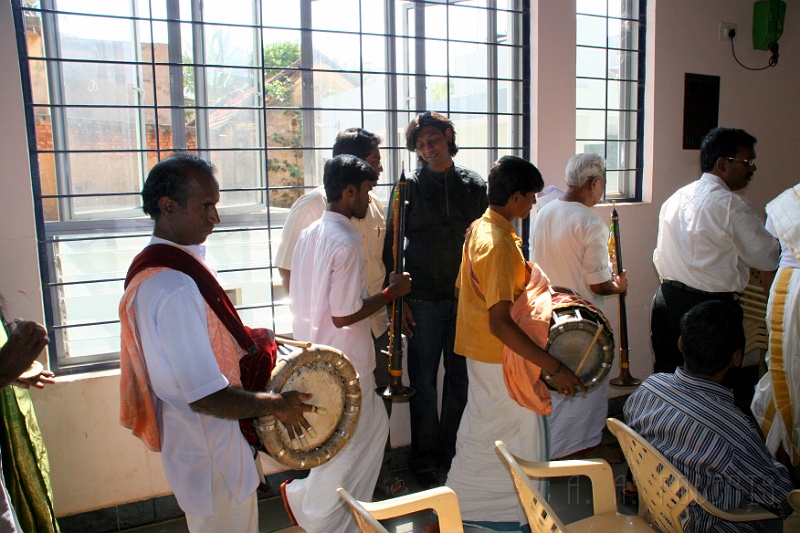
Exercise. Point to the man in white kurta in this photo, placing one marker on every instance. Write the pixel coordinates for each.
(570, 243)
(776, 403)
(328, 282)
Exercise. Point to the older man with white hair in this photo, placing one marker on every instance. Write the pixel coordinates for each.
(570, 243)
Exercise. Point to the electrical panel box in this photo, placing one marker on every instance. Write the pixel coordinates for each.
(768, 16)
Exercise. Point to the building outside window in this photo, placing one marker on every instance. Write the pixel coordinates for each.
(259, 87)
(609, 107)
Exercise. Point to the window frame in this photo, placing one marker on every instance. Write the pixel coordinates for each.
(71, 229)
(633, 192)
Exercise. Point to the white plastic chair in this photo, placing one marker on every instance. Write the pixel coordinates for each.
(664, 492)
(540, 514)
(441, 499)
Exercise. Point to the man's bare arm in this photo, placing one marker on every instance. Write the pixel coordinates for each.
(399, 285)
(504, 328)
(618, 285)
(235, 403)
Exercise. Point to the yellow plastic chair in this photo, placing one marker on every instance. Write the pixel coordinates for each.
(441, 499)
(665, 493)
(604, 496)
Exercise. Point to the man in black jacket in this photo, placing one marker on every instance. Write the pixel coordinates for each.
(443, 200)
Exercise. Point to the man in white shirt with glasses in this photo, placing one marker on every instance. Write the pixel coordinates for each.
(709, 237)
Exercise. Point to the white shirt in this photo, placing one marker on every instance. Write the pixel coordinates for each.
(308, 209)
(329, 279)
(710, 237)
(788, 257)
(570, 243)
(172, 326)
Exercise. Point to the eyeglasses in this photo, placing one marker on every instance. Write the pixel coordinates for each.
(748, 162)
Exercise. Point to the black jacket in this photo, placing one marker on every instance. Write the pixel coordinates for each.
(440, 208)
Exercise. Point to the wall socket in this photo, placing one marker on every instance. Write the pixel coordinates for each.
(725, 27)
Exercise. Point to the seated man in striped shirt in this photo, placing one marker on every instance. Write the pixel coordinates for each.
(691, 419)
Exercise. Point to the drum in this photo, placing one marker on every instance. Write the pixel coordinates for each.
(576, 339)
(330, 376)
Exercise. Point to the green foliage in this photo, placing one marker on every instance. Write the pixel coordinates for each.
(280, 54)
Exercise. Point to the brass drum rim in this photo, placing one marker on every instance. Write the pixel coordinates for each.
(605, 341)
(266, 427)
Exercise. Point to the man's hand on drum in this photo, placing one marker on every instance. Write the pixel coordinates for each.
(566, 382)
(291, 412)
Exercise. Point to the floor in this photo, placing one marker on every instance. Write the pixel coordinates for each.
(571, 499)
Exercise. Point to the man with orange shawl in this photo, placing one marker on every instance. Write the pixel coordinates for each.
(493, 275)
(180, 384)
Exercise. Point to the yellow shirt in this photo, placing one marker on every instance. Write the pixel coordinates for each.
(499, 267)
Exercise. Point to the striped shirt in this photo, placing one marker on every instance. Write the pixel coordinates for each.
(694, 423)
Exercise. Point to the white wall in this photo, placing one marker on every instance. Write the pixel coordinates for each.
(96, 464)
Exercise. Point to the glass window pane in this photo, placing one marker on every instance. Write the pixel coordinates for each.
(621, 125)
(591, 7)
(590, 93)
(470, 59)
(435, 57)
(339, 15)
(623, 34)
(336, 51)
(375, 91)
(373, 53)
(509, 62)
(281, 13)
(622, 65)
(622, 95)
(103, 173)
(435, 21)
(467, 24)
(509, 94)
(621, 155)
(95, 38)
(590, 124)
(228, 12)
(624, 8)
(337, 90)
(590, 62)
(471, 95)
(591, 31)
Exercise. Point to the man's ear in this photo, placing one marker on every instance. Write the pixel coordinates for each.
(448, 134)
(680, 344)
(737, 358)
(350, 191)
(166, 205)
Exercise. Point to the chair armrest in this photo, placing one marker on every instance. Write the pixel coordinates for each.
(604, 493)
(746, 514)
(441, 499)
(794, 499)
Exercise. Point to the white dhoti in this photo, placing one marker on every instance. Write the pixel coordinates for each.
(479, 477)
(776, 403)
(316, 505)
(577, 422)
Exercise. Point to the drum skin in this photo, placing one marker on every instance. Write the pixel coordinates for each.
(331, 377)
(574, 323)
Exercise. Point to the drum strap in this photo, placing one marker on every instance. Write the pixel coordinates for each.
(260, 349)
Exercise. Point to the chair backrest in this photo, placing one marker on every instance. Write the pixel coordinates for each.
(664, 492)
(366, 522)
(540, 515)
